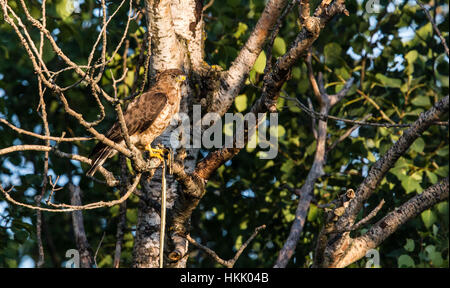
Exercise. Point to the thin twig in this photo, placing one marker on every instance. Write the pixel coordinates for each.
(70, 208)
(366, 219)
(322, 117)
(98, 248)
(436, 29)
(43, 115)
(347, 133)
(121, 225)
(228, 263)
(210, 3)
(43, 137)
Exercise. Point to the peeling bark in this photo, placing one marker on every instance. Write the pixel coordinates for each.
(174, 45)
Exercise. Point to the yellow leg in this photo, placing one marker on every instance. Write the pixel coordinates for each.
(160, 153)
(155, 152)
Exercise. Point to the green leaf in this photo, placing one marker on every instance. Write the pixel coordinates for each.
(129, 80)
(434, 256)
(132, 215)
(106, 261)
(442, 171)
(243, 225)
(409, 246)
(442, 208)
(47, 51)
(238, 242)
(260, 63)
(11, 263)
(418, 145)
(242, 28)
(313, 213)
(389, 82)
(344, 73)
(332, 52)
(435, 229)
(280, 131)
(65, 8)
(421, 101)
(371, 157)
(428, 218)
(425, 31)
(443, 152)
(405, 261)
(279, 46)
(432, 177)
(288, 215)
(21, 236)
(241, 102)
(296, 73)
(287, 167)
(436, 259)
(411, 184)
(400, 168)
(411, 56)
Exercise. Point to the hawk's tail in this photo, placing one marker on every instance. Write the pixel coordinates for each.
(98, 156)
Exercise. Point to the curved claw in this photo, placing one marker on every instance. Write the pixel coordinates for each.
(155, 152)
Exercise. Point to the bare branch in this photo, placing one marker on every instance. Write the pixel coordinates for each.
(392, 221)
(208, 5)
(436, 29)
(70, 208)
(307, 190)
(232, 80)
(42, 105)
(323, 117)
(228, 263)
(313, 120)
(383, 165)
(274, 35)
(366, 219)
(273, 82)
(98, 248)
(121, 225)
(330, 254)
(347, 133)
(111, 181)
(43, 137)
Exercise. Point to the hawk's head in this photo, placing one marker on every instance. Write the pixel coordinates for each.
(175, 76)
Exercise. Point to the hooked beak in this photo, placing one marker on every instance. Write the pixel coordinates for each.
(181, 78)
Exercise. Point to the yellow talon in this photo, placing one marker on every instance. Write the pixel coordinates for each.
(160, 153)
(155, 152)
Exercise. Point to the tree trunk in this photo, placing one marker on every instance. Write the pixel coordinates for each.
(176, 42)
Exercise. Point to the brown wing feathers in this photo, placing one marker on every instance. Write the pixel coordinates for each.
(138, 117)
